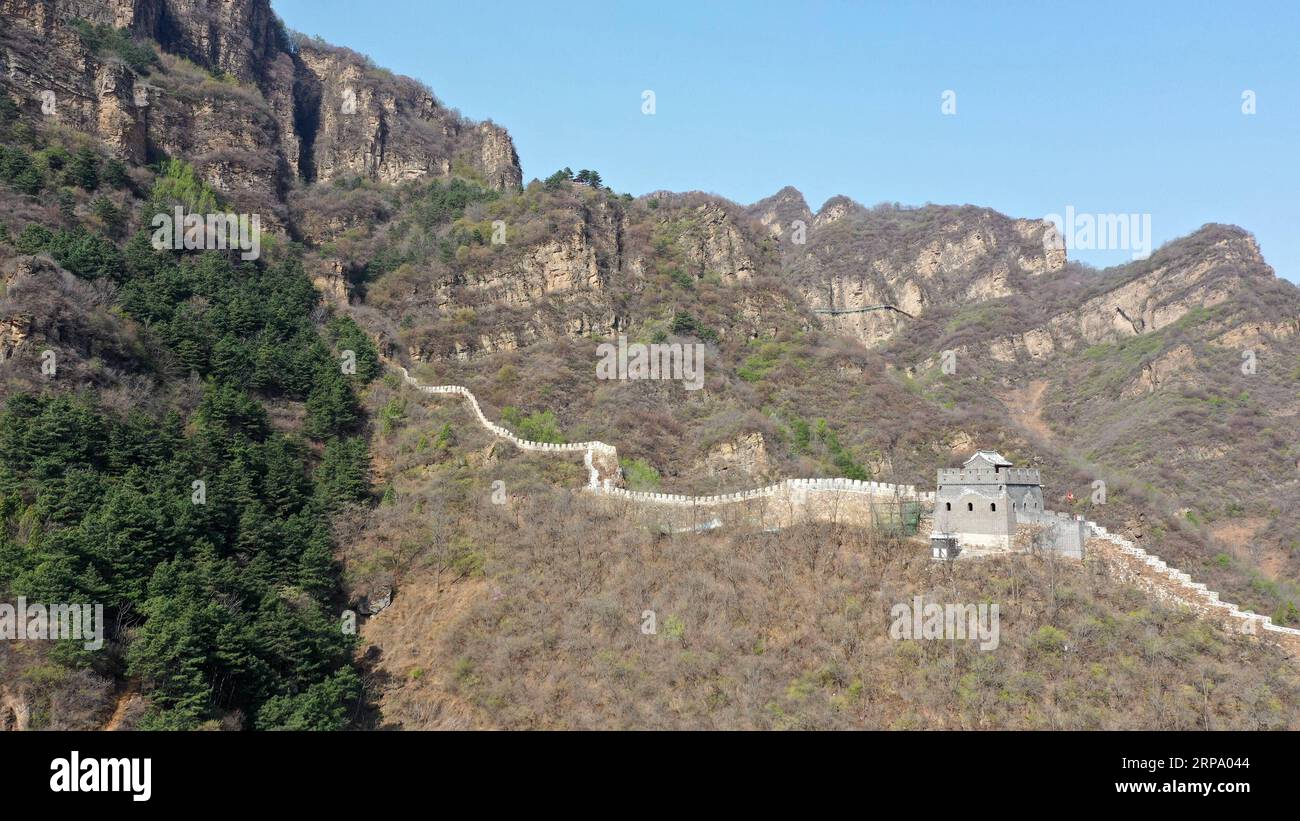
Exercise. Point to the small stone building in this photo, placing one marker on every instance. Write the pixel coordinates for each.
(943, 546)
(979, 501)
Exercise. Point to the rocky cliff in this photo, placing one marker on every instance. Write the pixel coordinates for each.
(256, 109)
(869, 270)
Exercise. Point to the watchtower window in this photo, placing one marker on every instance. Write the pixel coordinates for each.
(993, 506)
(948, 506)
(970, 505)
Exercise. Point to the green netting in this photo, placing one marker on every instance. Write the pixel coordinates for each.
(902, 518)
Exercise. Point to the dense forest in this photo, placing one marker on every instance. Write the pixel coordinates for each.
(204, 531)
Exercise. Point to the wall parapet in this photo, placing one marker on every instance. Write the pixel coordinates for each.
(989, 476)
(599, 484)
(1195, 594)
(1193, 591)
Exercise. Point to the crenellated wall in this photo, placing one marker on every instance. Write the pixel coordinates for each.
(1131, 564)
(988, 476)
(851, 501)
(847, 499)
(1069, 532)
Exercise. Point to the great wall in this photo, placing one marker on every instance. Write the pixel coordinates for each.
(854, 502)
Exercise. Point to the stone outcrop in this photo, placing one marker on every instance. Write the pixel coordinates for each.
(712, 244)
(369, 123)
(1161, 291)
(867, 271)
(781, 213)
(253, 108)
(745, 455)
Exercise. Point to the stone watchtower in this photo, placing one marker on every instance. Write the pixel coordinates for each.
(977, 503)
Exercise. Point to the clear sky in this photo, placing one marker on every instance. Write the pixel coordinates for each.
(1123, 107)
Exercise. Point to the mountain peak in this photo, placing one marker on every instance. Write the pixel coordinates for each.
(837, 207)
(780, 211)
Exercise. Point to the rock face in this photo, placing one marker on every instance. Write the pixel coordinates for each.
(876, 268)
(782, 213)
(387, 128)
(254, 109)
(1212, 267)
(713, 245)
(739, 459)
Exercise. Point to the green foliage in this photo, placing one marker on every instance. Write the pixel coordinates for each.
(640, 474)
(331, 405)
(684, 324)
(674, 627)
(1287, 615)
(248, 326)
(345, 335)
(344, 472)
(325, 706)
(446, 438)
(67, 204)
(1048, 639)
(209, 535)
(178, 183)
(19, 169)
(757, 366)
(34, 239)
(83, 169)
(8, 115)
(84, 253)
(557, 180)
(233, 591)
(840, 456)
(52, 158)
(392, 415)
(115, 174)
(103, 39)
(679, 276)
(445, 202)
(539, 426)
(109, 214)
(588, 177)
(801, 435)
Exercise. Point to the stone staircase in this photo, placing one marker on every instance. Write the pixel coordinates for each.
(1133, 564)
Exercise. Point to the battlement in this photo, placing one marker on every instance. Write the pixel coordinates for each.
(600, 482)
(989, 476)
(1070, 531)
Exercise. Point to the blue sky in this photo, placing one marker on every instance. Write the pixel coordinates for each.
(1105, 107)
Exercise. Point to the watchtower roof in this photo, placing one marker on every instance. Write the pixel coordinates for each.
(990, 456)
